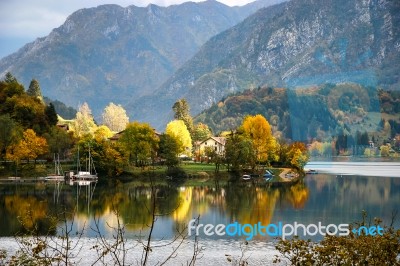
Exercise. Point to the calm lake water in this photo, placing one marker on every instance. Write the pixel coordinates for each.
(337, 194)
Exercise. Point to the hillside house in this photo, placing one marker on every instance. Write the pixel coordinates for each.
(216, 143)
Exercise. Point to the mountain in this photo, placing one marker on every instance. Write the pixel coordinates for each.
(294, 44)
(111, 53)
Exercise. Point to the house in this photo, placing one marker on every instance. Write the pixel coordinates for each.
(117, 136)
(63, 127)
(216, 143)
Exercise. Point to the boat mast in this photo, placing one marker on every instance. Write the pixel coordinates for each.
(90, 164)
(78, 165)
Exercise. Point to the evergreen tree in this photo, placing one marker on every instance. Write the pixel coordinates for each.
(34, 90)
(9, 78)
(182, 112)
(51, 115)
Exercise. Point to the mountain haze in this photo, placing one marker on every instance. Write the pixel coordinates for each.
(298, 43)
(111, 53)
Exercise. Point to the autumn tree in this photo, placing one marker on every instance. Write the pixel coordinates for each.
(259, 131)
(84, 122)
(298, 155)
(102, 133)
(140, 142)
(316, 148)
(182, 112)
(385, 150)
(29, 147)
(178, 130)
(115, 117)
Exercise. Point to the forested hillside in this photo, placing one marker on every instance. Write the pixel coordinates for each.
(319, 112)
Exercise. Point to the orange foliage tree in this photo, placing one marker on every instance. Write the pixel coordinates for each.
(29, 147)
(259, 131)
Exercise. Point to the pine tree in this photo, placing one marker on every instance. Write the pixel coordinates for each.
(182, 112)
(10, 78)
(34, 90)
(51, 115)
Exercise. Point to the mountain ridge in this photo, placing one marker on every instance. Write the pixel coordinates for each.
(301, 44)
(111, 53)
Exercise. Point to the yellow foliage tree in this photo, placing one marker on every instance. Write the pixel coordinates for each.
(102, 133)
(298, 155)
(30, 147)
(259, 131)
(178, 130)
(84, 122)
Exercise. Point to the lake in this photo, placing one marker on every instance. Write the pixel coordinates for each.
(336, 195)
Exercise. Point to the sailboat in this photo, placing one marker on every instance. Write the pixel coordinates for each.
(57, 170)
(90, 173)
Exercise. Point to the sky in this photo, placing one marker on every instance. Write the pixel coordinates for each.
(22, 21)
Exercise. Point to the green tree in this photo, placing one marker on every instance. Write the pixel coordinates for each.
(9, 78)
(108, 157)
(182, 112)
(239, 152)
(169, 150)
(51, 115)
(9, 87)
(59, 141)
(140, 142)
(34, 90)
(10, 133)
(179, 131)
(201, 132)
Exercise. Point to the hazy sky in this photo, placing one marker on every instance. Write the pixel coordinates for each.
(22, 21)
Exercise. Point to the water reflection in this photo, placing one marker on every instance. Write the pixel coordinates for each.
(322, 197)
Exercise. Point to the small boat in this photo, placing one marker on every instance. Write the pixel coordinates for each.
(89, 174)
(57, 171)
(268, 174)
(311, 172)
(14, 178)
(246, 177)
(268, 178)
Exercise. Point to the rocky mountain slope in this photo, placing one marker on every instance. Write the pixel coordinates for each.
(111, 53)
(295, 44)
